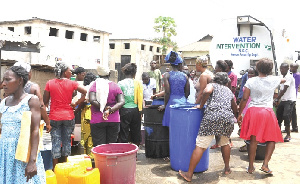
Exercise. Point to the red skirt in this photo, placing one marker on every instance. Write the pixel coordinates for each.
(262, 123)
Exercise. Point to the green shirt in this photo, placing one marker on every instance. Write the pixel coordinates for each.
(156, 74)
(127, 86)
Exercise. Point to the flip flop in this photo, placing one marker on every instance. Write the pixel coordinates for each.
(182, 175)
(250, 172)
(268, 171)
(287, 139)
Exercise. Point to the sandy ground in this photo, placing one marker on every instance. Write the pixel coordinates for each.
(285, 164)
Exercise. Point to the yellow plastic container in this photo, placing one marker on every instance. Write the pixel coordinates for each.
(50, 177)
(83, 160)
(85, 176)
(62, 171)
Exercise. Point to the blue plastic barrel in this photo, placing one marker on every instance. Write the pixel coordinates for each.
(184, 126)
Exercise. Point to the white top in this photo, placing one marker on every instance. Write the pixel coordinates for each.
(191, 99)
(148, 89)
(262, 90)
(290, 93)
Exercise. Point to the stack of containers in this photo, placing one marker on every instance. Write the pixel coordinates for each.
(50, 177)
(62, 171)
(85, 176)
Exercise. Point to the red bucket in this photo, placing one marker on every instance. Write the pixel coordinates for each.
(116, 162)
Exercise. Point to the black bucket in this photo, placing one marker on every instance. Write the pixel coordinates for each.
(260, 151)
(156, 135)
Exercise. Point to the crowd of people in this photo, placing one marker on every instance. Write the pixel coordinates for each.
(111, 112)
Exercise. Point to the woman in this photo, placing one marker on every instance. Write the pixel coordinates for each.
(260, 123)
(85, 109)
(205, 77)
(12, 108)
(61, 115)
(218, 120)
(106, 99)
(177, 86)
(192, 74)
(131, 111)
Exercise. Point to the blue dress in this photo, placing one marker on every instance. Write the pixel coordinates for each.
(177, 81)
(12, 170)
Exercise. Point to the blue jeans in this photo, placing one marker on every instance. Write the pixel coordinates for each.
(61, 137)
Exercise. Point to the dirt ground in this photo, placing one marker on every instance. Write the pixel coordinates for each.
(285, 164)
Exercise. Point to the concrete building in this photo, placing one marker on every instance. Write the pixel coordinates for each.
(70, 43)
(191, 51)
(139, 51)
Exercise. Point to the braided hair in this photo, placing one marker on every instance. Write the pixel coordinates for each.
(21, 73)
(60, 68)
(129, 69)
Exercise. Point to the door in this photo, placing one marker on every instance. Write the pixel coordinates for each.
(118, 66)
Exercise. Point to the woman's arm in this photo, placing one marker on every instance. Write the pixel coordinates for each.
(83, 91)
(167, 88)
(206, 93)
(34, 105)
(243, 104)
(234, 107)
(35, 89)
(46, 98)
(203, 83)
(187, 87)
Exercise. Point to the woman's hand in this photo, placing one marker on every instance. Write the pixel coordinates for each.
(105, 114)
(240, 120)
(30, 170)
(161, 108)
(48, 128)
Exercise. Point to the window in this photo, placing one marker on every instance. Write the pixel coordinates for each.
(143, 47)
(53, 32)
(96, 38)
(11, 29)
(27, 30)
(69, 34)
(157, 49)
(127, 45)
(151, 48)
(112, 46)
(83, 36)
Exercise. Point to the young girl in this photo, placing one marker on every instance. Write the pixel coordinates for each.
(219, 117)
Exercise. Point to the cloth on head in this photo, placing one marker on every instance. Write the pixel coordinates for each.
(24, 65)
(169, 58)
(102, 70)
(102, 89)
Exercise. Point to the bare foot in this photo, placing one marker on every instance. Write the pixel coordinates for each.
(227, 171)
(184, 175)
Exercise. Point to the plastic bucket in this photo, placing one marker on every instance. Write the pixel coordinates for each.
(116, 162)
(260, 150)
(156, 135)
(184, 126)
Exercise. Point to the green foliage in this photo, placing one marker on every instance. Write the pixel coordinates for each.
(166, 25)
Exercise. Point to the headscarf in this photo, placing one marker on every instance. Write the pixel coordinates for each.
(102, 70)
(173, 58)
(26, 66)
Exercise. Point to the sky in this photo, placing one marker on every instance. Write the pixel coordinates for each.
(135, 18)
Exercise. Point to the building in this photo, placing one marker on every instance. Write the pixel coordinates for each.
(139, 51)
(70, 43)
(190, 52)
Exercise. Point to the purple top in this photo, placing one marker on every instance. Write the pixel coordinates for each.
(297, 81)
(97, 116)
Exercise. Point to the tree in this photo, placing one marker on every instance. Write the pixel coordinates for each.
(166, 25)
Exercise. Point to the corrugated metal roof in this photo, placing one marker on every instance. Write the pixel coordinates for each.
(50, 22)
(196, 46)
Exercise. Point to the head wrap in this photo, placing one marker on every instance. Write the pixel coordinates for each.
(26, 66)
(173, 58)
(102, 70)
(203, 60)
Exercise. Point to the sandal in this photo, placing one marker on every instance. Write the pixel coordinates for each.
(266, 170)
(250, 172)
(214, 146)
(287, 139)
(243, 148)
